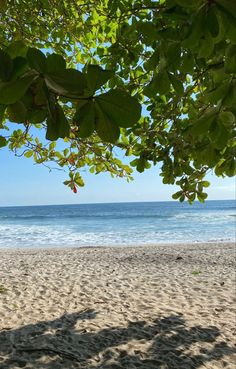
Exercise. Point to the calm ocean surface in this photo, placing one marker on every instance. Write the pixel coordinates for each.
(117, 224)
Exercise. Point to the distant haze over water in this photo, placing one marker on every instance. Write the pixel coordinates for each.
(117, 224)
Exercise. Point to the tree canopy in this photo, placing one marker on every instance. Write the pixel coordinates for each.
(155, 79)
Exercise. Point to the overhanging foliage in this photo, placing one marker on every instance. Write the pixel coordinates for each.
(82, 70)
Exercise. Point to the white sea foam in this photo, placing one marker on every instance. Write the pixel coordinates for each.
(116, 224)
(49, 236)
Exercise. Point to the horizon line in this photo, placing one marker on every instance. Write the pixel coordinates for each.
(115, 202)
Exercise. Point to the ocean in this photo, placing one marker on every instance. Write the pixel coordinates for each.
(117, 224)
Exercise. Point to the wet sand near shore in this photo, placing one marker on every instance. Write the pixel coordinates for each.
(167, 307)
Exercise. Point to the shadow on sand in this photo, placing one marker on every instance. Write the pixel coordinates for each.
(168, 342)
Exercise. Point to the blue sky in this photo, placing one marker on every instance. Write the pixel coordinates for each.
(24, 183)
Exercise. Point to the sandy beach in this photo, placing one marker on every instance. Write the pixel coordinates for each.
(167, 307)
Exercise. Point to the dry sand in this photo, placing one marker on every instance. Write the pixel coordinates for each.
(164, 307)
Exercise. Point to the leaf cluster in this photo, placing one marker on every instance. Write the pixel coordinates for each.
(82, 73)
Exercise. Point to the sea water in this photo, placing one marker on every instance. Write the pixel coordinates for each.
(117, 224)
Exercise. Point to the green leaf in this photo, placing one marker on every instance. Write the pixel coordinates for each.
(20, 66)
(134, 162)
(17, 48)
(228, 5)
(17, 112)
(5, 66)
(211, 156)
(36, 115)
(3, 141)
(187, 3)
(219, 135)
(12, 91)
(163, 82)
(105, 126)
(177, 194)
(227, 118)
(218, 93)
(36, 60)
(86, 119)
(70, 83)
(121, 108)
(229, 99)
(173, 55)
(201, 196)
(205, 183)
(206, 46)
(55, 63)
(187, 63)
(177, 84)
(28, 153)
(230, 59)
(159, 84)
(57, 125)
(151, 89)
(141, 163)
(230, 169)
(2, 112)
(148, 31)
(78, 180)
(195, 31)
(229, 24)
(215, 24)
(153, 61)
(202, 125)
(52, 145)
(97, 77)
(191, 198)
(212, 21)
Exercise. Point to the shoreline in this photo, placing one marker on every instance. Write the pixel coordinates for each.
(120, 246)
(146, 307)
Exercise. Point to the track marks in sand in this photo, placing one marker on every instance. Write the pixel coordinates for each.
(146, 307)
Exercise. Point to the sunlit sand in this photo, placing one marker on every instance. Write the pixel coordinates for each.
(159, 306)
